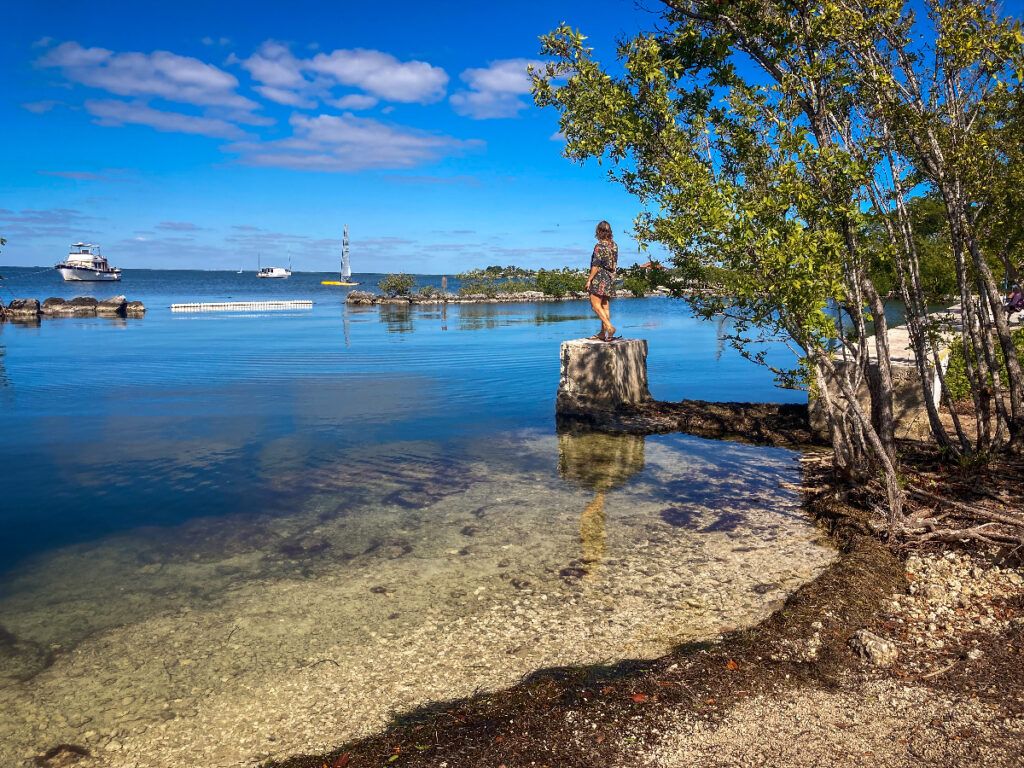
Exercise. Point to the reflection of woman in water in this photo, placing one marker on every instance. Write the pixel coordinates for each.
(601, 282)
(598, 462)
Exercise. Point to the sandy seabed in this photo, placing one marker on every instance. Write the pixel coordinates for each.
(398, 581)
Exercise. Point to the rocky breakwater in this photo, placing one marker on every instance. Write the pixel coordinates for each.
(30, 310)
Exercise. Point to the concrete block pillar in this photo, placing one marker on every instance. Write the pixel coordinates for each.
(602, 375)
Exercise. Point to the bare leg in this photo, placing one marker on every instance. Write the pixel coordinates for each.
(595, 304)
(607, 307)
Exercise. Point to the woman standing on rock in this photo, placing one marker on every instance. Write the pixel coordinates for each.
(601, 283)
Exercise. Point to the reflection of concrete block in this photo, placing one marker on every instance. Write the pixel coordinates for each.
(600, 375)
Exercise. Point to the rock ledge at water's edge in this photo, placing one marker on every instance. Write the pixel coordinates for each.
(30, 310)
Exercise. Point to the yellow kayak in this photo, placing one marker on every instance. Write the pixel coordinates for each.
(336, 282)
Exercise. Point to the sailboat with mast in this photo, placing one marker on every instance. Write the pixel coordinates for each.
(346, 268)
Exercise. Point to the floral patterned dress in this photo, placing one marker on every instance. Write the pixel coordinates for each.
(606, 259)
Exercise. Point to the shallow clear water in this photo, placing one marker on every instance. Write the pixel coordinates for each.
(112, 424)
(200, 509)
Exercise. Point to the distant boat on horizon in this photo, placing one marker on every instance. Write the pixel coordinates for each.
(346, 268)
(86, 264)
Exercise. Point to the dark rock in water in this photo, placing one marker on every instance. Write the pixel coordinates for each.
(134, 309)
(469, 530)
(391, 549)
(63, 756)
(379, 590)
(363, 298)
(680, 518)
(112, 307)
(53, 306)
(21, 660)
(58, 307)
(520, 583)
(303, 546)
(81, 306)
(572, 572)
(23, 309)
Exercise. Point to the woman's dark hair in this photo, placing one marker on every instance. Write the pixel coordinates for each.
(604, 231)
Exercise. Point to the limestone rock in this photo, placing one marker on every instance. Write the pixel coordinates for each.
(360, 298)
(54, 306)
(111, 307)
(602, 375)
(81, 306)
(874, 649)
(134, 309)
(23, 309)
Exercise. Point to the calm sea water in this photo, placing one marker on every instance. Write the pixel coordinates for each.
(234, 536)
(113, 424)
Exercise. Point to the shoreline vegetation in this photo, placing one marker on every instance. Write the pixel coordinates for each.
(517, 284)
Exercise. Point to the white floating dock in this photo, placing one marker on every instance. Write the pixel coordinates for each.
(241, 306)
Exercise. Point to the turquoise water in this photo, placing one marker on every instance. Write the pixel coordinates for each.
(114, 424)
(234, 536)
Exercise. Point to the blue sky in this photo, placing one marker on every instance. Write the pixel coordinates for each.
(196, 135)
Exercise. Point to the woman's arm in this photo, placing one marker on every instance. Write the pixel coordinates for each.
(595, 266)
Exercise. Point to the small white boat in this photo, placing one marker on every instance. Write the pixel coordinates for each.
(277, 272)
(85, 263)
(274, 272)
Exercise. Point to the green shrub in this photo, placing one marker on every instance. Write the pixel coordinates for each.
(488, 288)
(558, 282)
(516, 286)
(429, 292)
(399, 284)
(636, 285)
(956, 372)
(495, 272)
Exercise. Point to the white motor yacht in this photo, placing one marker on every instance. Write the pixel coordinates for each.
(85, 263)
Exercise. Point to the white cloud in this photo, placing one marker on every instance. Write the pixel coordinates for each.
(284, 96)
(354, 101)
(302, 82)
(158, 74)
(178, 226)
(113, 112)
(495, 90)
(40, 107)
(274, 65)
(382, 75)
(349, 143)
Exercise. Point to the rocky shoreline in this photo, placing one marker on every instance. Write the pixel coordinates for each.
(775, 424)
(31, 310)
(881, 660)
(368, 298)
